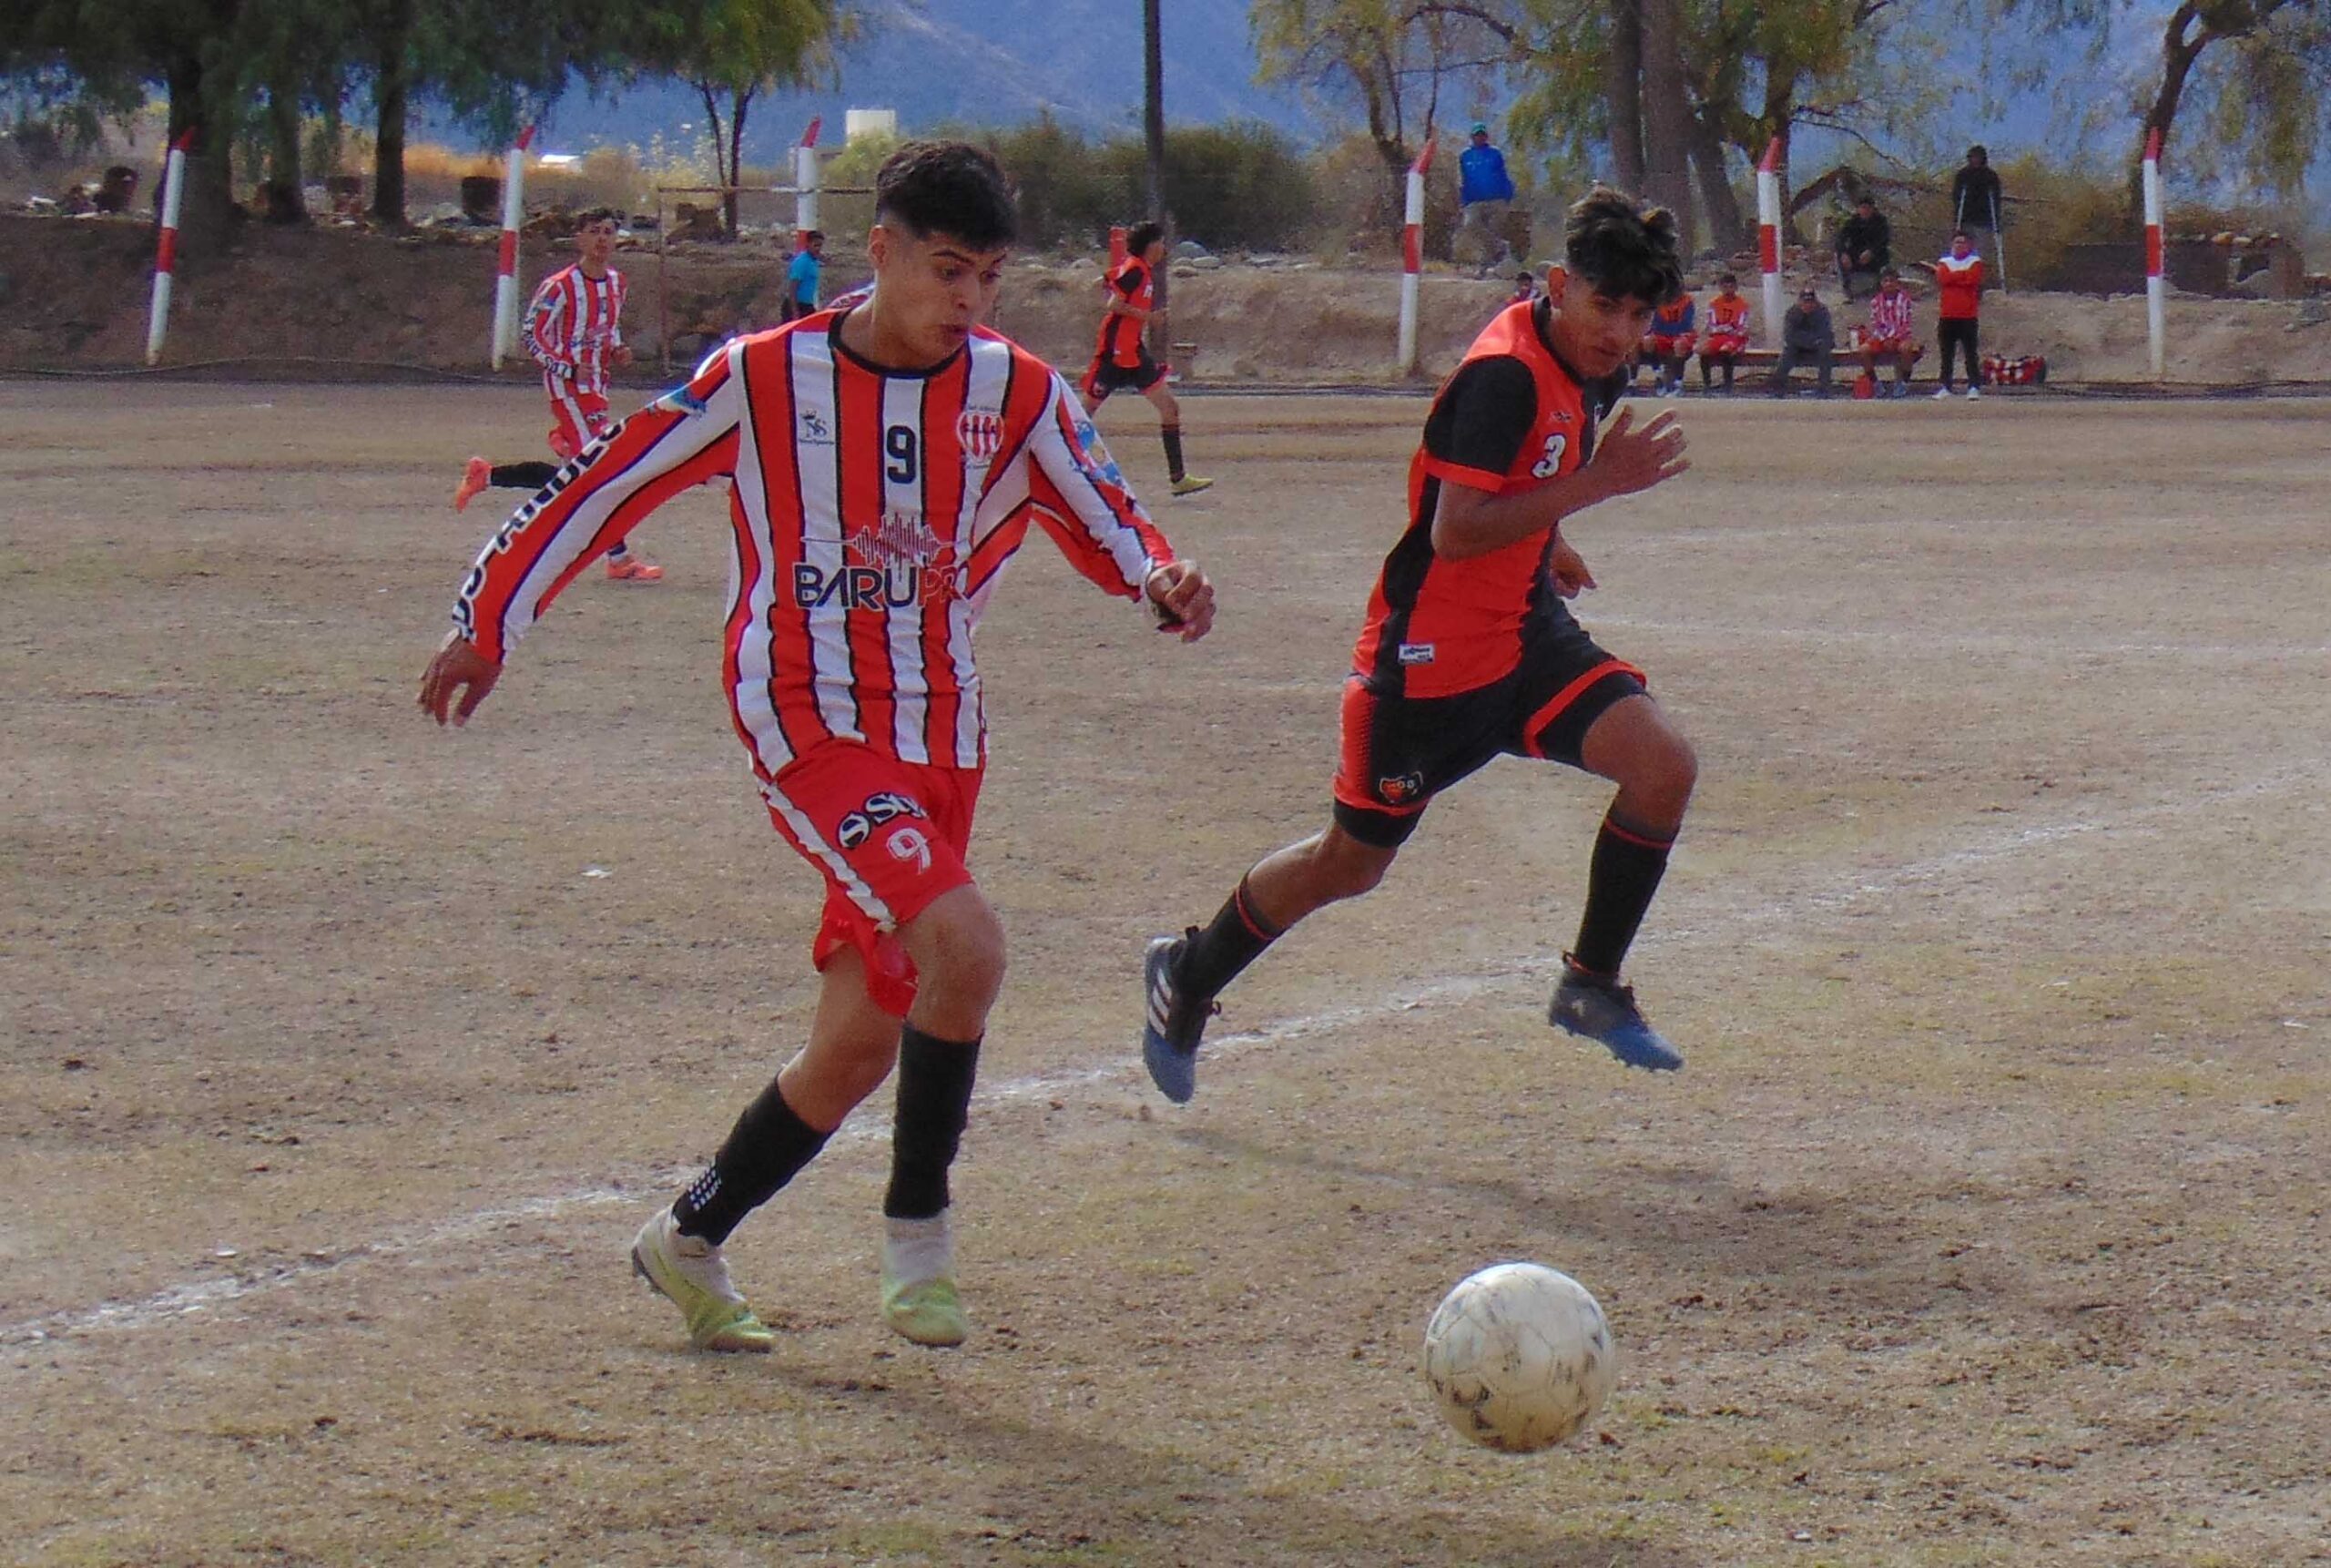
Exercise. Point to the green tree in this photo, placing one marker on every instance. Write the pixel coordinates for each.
(732, 51)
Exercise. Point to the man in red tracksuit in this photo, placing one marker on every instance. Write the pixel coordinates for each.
(1959, 277)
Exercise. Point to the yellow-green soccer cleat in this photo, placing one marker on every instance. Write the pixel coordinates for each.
(919, 1297)
(1190, 484)
(689, 1272)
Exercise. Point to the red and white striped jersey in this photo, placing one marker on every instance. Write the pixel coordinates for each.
(872, 513)
(574, 322)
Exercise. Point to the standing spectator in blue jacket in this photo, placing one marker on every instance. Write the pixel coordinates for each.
(802, 277)
(1485, 191)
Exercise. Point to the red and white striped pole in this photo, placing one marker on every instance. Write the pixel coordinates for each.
(1412, 257)
(166, 253)
(805, 184)
(1768, 239)
(2156, 283)
(506, 279)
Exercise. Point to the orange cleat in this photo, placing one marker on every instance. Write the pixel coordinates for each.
(476, 475)
(627, 570)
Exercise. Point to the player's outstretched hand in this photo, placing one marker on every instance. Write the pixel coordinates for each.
(1631, 460)
(457, 666)
(1185, 599)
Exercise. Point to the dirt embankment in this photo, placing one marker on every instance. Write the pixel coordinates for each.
(73, 296)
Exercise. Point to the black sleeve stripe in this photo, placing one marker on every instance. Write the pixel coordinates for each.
(1483, 415)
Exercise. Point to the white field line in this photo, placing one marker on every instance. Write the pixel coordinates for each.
(2049, 646)
(1723, 919)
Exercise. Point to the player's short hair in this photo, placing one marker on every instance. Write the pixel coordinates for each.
(1891, 275)
(1622, 250)
(1729, 277)
(1962, 234)
(1141, 236)
(1980, 150)
(599, 214)
(949, 188)
(815, 237)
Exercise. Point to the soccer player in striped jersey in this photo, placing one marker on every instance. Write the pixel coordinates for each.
(886, 461)
(574, 331)
(1469, 653)
(1121, 356)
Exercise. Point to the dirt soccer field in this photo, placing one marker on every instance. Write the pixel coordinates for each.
(340, 1057)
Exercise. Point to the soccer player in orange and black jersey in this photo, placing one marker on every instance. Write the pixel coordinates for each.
(1121, 356)
(886, 464)
(1469, 652)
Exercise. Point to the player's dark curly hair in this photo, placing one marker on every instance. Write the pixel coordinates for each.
(1619, 249)
(949, 188)
(1141, 236)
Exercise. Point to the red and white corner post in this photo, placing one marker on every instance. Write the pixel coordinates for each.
(1768, 239)
(166, 250)
(2156, 283)
(1412, 257)
(805, 184)
(505, 278)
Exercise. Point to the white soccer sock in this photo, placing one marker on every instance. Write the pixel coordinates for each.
(916, 1250)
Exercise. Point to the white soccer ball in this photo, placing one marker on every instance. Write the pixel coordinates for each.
(1519, 1357)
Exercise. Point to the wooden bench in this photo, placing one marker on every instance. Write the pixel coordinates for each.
(1768, 360)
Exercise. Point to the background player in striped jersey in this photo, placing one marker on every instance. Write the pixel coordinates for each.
(1121, 357)
(886, 462)
(1469, 652)
(575, 330)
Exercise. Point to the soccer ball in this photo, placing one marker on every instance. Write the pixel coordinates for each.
(1519, 1357)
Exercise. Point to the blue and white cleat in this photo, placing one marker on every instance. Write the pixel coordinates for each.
(1605, 1011)
(1174, 1022)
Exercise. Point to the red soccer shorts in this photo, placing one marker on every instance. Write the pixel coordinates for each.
(888, 837)
(1723, 343)
(1672, 347)
(1892, 345)
(577, 419)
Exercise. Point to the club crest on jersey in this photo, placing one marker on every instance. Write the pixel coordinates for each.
(812, 430)
(1401, 789)
(980, 433)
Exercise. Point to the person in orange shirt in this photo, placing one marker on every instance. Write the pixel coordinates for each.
(1959, 277)
(1670, 342)
(1121, 356)
(1470, 652)
(1727, 332)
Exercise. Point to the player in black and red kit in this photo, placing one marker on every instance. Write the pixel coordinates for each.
(1121, 356)
(1469, 652)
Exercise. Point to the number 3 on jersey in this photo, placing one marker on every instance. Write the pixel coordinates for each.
(1551, 460)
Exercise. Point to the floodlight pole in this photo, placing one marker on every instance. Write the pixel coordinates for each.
(1153, 125)
(504, 337)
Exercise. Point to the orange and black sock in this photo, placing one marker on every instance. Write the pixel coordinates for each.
(1629, 859)
(1215, 957)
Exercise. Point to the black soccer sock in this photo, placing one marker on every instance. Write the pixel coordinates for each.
(1619, 881)
(765, 1149)
(935, 1079)
(522, 475)
(1171, 434)
(1215, 957)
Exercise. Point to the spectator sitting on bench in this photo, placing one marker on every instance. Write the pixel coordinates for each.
(1865, 247)
(1808, 338)
(1670, 342)
(1727, 332)
(1889, 337)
